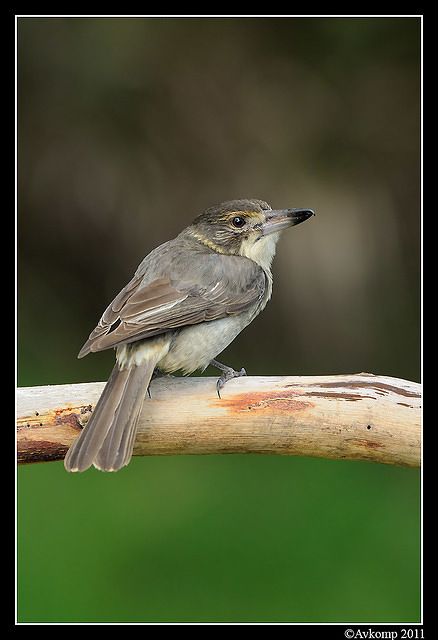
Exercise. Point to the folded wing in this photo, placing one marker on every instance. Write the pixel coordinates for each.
(140, 311)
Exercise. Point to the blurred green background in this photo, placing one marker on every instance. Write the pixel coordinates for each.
(127, 129)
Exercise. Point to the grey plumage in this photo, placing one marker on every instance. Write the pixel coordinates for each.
(108, 438)
(166, 293)
(187, 301)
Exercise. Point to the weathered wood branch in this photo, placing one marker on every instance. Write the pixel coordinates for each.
(354, 417)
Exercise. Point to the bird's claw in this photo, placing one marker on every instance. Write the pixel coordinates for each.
(157, 372)
(227, 374)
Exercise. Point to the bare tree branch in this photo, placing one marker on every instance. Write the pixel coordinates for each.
(354, 417)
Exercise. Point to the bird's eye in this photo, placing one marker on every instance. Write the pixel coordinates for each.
(238, 222)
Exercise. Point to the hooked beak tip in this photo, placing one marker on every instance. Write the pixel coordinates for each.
(279, 219)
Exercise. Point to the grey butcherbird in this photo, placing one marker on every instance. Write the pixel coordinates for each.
(188, 299)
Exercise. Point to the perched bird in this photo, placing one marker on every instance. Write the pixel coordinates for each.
(188, 300)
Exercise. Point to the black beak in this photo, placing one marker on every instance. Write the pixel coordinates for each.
(279, 219)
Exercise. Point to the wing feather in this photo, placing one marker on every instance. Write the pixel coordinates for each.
(143, 310)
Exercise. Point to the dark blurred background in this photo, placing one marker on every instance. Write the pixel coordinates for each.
(127, 129)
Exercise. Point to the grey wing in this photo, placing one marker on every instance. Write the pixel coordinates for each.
(142, 311)
(157, 295)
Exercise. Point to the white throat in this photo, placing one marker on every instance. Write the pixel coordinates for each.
(262, 250)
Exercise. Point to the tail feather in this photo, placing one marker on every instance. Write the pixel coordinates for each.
(107, 440)
(116, 450)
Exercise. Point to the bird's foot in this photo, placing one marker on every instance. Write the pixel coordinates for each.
(227, 374)
(156, 373)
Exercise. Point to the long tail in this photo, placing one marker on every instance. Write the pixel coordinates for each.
(107, 439)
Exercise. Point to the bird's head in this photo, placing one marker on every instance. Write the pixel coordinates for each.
(249, 228)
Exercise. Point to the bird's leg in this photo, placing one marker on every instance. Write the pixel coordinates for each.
(227, 374)
(157, 372)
